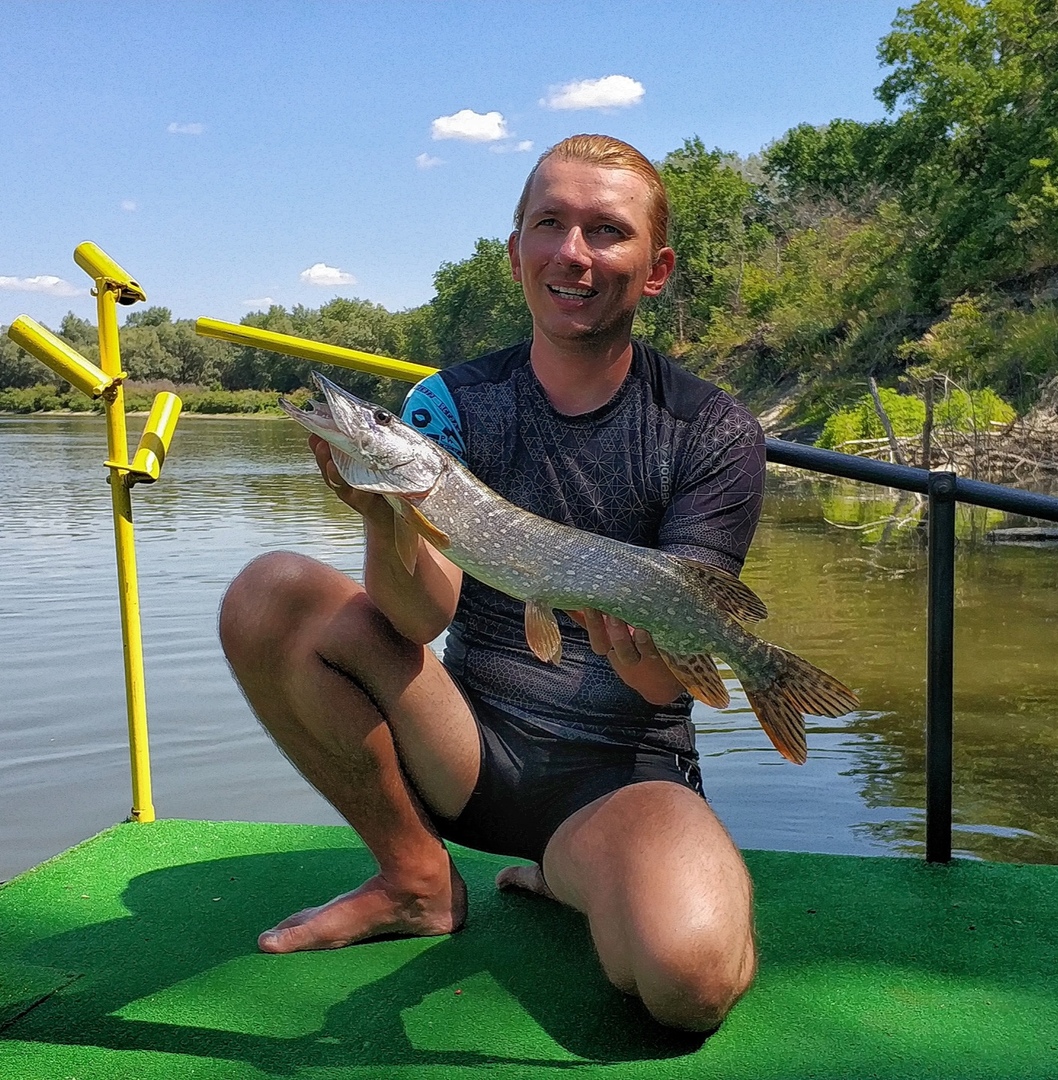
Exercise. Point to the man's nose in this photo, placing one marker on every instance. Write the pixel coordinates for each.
(575, 250)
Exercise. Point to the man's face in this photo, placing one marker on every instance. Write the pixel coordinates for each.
(584, 253)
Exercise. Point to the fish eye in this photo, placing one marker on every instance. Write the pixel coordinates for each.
(381, 417)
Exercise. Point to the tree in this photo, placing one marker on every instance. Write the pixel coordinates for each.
(479, 306)
(976, 146)
(836, 165)
(709, 204)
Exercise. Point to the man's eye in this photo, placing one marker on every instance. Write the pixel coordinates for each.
(608, 230)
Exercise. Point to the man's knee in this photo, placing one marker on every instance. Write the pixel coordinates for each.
(270, 601)
(696, 987)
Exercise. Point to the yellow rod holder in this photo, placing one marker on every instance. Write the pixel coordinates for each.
(60, 357)
(312, 350)
(99, 266)
(149, 458)
(108, 291)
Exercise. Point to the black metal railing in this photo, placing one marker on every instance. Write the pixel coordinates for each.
(944, 490)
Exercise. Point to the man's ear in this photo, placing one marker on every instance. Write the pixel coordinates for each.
(660, 272)
(512, 254)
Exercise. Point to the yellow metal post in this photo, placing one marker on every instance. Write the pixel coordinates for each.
(312, 350)
(107, 294)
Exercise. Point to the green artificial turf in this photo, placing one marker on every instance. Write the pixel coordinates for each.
(134, 956)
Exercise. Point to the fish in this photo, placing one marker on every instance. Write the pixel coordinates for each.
(692, 610)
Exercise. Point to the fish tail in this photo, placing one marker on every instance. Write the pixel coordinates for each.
(797, 689)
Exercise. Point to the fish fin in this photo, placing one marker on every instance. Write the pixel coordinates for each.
(699, 677)
(799, 689)
(542, 633)
(728, 593)
(407, 541)
(782, 722)
(425, 528)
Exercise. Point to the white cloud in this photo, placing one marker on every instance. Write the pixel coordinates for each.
(610, 92)
(326, 276)
(424, 161)
(185, 129)
(42, 283)
(129, 205)
(513, 148)
(470, 126)
(260, 302)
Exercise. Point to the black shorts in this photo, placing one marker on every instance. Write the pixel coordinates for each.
(531, 781)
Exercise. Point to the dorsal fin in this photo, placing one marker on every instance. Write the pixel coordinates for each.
(726, 591)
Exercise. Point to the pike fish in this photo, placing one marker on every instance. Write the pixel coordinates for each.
(692, 611)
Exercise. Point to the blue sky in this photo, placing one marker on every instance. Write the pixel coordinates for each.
(228, 154)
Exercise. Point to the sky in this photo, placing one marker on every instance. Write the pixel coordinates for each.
(233, 155)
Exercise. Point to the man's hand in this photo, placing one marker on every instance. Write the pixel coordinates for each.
(419, 605)
(632, 654)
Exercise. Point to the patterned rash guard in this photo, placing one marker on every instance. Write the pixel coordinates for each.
(671, 462)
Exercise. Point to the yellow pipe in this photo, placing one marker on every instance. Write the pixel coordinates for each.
(107, 297)
(60, 357)
(157, 435)
(99, 266)
(312, 350)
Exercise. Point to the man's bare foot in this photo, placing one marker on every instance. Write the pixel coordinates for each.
(377, 907)
(527, 878)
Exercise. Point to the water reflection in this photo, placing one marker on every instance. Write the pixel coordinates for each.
(849, 598)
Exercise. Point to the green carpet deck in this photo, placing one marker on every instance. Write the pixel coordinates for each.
(133, 956)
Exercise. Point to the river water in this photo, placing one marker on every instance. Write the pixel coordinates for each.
(845, 584)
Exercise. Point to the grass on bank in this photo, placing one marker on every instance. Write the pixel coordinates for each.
(46, 398)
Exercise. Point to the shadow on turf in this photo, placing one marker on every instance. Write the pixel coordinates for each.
(536, 951)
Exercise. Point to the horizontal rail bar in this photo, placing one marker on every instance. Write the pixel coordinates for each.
(975, 492)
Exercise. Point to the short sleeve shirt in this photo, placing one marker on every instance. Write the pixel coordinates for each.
(670, 462)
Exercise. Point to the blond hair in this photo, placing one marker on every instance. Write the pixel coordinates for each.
(608, 153)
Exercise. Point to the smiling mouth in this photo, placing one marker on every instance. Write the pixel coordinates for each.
(569, 292)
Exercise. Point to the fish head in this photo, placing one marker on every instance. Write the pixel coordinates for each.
(372, 449)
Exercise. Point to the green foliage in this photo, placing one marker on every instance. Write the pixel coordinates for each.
(839, 163)
(42, 397)
(710, 229)
(978, 83)
(478, 307)
(907, 414)
(960, 410)
(973, 410)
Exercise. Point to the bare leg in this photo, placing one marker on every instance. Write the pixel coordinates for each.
(339, 690)
(667, 896)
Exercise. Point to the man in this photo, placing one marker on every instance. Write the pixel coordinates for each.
(587, 769)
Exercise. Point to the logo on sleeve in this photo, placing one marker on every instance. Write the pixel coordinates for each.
(421, 418)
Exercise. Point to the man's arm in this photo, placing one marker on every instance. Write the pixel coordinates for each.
(419, 605)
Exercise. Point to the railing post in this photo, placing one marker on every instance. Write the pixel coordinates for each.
(939, 680)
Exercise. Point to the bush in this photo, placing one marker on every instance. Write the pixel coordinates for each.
(906, 413)
(960, 411)
(973, 411)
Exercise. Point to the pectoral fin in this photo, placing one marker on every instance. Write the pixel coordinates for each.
(426, 529)
(407, 541)
(542, 633)
(408, 525)
(699, 677)
(729, 593)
